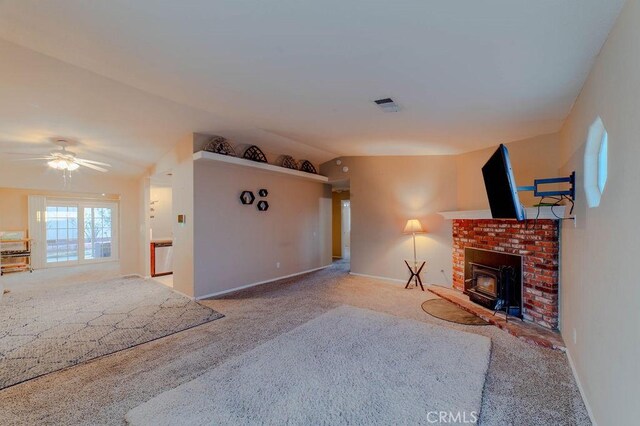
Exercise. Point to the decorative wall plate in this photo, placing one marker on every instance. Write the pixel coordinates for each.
(288, 162)
(220, 145)
(306, 166)
(254, 153)
(263, 206)
(263, 192)
(247, 197)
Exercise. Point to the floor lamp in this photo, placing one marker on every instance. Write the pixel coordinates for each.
(414, 227)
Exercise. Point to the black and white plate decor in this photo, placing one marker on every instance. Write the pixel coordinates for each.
(263, 205)
(247, 197)
(263, 192)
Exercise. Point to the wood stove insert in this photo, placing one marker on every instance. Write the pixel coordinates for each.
(494, 280)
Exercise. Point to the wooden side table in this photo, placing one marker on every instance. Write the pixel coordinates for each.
(415, 272)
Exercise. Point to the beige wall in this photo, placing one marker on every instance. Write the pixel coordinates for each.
(532, 158)
(236, 245)
(179, 161)
(162, 221)
(336, 221)
(385, 192)
(600, 290)
(20, 180)
(14, 209)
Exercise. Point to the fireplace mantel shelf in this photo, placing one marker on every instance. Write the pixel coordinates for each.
(531, 213)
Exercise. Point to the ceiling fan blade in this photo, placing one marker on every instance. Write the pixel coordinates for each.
(98, 163)
(23, 154)
(31, 159)
(91, 166)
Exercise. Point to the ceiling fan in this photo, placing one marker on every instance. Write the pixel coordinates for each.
(65, 160)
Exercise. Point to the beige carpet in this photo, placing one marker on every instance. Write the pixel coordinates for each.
(525, 384)
(46, 330)
(347, 366)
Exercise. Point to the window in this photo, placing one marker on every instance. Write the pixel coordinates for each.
(80, 232)
(62, 233)
(602, 161)
(595, 162)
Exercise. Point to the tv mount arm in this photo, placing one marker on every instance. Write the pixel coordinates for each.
(571, 192)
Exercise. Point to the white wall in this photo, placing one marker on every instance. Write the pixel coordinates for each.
(600, 288)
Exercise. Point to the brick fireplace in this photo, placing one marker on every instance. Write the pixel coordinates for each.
(537, 243)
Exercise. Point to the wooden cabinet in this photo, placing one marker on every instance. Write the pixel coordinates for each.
(161, 258)
(15, 252)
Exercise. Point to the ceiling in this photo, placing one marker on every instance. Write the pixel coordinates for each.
(127, 78)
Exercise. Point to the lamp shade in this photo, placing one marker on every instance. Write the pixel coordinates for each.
(413, 226)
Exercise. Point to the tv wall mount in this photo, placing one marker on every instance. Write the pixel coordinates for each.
(571, 192)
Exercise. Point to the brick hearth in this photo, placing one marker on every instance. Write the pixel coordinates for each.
(537, 243)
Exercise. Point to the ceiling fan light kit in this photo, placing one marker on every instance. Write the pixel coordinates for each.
(66, 161)
(62, 164)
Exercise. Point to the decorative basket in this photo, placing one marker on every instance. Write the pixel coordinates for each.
(288, 162)
(220, 145)
(306, 166)
(254, 153)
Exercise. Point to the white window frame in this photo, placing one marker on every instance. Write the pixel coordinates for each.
(81, 204)
(595, 163)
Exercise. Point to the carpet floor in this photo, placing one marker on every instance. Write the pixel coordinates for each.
(347, 366)
(45, 331)
(525, 384)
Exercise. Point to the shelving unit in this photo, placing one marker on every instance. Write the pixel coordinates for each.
(205, 156)
(15, 253)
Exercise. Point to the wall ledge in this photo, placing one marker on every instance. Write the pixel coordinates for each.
(546, 212)
(205, 156)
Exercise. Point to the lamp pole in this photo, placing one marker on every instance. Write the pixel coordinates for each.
(415, 259)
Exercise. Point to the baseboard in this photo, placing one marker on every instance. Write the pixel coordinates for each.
(180, 293)
(391, 280)
(580, 388)
(220, 293)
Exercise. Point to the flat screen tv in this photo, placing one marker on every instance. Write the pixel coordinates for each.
(501, 186)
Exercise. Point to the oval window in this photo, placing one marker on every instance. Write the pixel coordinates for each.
(595, 162)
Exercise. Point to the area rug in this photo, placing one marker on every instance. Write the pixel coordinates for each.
(447, 311)
(45, 331)
(347, 366)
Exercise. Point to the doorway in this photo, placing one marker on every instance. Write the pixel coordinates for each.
(161, 228)
(346, 229)
(341, 223)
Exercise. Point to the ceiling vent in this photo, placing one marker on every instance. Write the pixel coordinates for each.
(387, 105)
